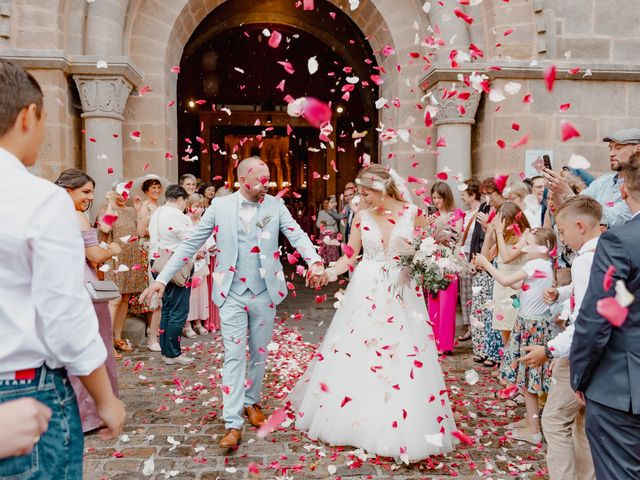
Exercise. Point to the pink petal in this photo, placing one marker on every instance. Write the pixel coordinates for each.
(272, 423)
(175, 69)
(463, 438)
(109, 219)
(287, 67)
(612, 311)
(345, 400)
(316, 112)
(275, 39)
(568, 130)
(523, 141)
(348, 250)
(307, 4)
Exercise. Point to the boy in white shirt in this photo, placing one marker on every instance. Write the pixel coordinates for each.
(568, 453)
(48, 324)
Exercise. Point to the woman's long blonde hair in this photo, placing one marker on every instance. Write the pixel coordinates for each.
(376, 177)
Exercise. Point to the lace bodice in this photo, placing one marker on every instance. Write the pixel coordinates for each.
(375, 247)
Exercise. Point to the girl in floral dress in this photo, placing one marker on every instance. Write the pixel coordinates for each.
(533, 323)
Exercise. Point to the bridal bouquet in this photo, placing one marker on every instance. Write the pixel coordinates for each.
(432, 265)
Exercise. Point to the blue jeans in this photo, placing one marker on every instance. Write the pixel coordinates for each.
(175, 310)
(58, 453)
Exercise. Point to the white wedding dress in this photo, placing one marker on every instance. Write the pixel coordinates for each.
(375, 382)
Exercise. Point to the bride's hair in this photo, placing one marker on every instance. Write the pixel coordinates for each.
(376, 177)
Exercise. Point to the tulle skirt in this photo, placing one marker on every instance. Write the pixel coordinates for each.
(375, 382)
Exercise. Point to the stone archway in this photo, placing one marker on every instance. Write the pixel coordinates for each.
(160, 29)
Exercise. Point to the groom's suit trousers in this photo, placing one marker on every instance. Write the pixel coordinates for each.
(238, 314)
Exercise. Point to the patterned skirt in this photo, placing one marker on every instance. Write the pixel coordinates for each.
(486, 341)
(528, 330)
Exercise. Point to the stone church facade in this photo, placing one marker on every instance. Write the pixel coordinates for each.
(105, 66)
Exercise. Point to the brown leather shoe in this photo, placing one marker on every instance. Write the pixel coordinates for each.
(231, 439)
(255, 415)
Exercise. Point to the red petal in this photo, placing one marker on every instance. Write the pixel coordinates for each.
(501, 182)
(550, 77)
(345, 400)
(607, 281)
(568, 130)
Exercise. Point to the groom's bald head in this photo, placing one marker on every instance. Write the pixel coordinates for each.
(253, 175)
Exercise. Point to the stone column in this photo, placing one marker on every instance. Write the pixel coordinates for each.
(103, 100)
(454, 120)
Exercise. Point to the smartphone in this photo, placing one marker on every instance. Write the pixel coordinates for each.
(547, 162)
(431, 209)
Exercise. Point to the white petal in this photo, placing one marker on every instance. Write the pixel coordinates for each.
(426, 8)
(496, 95)
(148, 466)
(623, 296)
(353, 4)
(578, 161)
(312, 65)
(512, 88)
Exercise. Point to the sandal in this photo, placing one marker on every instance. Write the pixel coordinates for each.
(122, 345)
(465, 337)
(479, 359)
(489, 363)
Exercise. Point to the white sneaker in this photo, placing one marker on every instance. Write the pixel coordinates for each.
(201, 330)
(182, 360)
(154, 347)
(189, 333)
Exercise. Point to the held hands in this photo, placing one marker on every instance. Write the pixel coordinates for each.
(23, 422)
(317, 276)
(155, 289)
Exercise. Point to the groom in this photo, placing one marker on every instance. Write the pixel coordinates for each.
(248, 283)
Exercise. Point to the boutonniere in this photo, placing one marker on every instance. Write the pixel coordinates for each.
(264, 221)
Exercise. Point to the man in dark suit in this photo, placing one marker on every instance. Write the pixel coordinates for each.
(605, 360)
(347, 213)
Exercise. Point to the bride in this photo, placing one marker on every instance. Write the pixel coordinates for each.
(375, 382)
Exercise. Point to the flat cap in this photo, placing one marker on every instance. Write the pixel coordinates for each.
(628, 136)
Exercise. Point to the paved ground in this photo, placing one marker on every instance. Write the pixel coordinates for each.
(173, 416)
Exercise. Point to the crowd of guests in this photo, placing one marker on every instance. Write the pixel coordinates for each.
(543, 254)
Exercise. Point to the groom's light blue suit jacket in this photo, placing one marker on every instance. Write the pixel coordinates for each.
(221, 219)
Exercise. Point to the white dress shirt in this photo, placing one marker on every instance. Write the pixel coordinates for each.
(560, 346)
(168, 227)
(247, 210)
(46, 314)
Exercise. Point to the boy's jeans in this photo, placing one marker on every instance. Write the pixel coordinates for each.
(58, 453)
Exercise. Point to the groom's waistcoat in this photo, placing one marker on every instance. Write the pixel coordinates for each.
(248, 266)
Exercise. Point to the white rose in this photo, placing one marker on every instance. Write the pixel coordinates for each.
(428, 246)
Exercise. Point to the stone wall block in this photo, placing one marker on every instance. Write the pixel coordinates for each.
(585, 48)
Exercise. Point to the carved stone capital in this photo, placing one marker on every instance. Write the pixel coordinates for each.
(457, 108)
(103, 96)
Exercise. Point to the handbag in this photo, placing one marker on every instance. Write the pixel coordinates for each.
(102, 290)
(182, 276)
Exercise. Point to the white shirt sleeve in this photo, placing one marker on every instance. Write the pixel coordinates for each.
(65, 314)
(560, 346)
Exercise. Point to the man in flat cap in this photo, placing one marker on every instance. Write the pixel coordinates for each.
(606, 189)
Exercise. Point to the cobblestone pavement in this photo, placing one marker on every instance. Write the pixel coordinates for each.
(174, 417)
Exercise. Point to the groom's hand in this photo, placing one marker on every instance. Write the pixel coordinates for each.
(315, 271)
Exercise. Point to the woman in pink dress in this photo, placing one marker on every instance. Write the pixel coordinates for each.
(80, 187)
(447, 225)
